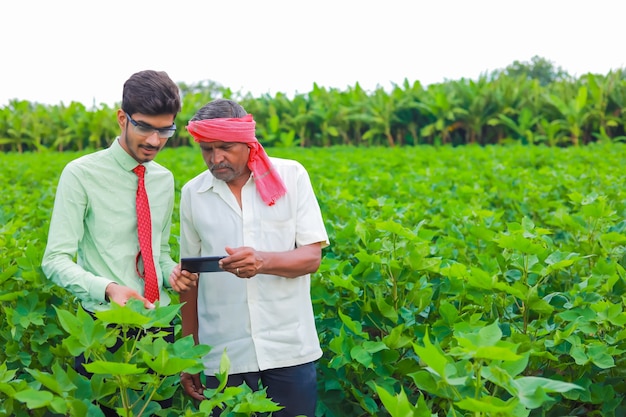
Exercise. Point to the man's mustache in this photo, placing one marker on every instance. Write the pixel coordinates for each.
(220, 166)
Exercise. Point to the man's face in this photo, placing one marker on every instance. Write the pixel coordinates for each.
(227, 161)
(143, 136)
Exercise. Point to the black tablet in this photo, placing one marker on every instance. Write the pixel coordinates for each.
(201, 264)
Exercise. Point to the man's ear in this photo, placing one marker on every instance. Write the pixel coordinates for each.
(121, 118)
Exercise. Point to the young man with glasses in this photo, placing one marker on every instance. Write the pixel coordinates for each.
(94, 249)
(94, 212)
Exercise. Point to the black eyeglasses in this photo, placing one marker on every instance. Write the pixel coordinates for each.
(147, 130)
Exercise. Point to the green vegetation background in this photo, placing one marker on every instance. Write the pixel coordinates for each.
(527, 102)
(431, 248)
(477, 280)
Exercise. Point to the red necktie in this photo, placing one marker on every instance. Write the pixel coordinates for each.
(144, 231)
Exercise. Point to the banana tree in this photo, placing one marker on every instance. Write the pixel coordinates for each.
(324, 114)
(27, 126)
(273, 132)
(103, 128)
(550, 132)
(523, 126)
(617, 102)
(381, 108)
(573, 113)
(481, 105)
(600, 119)
(354, 103)
(300, 118)
(74, 130)
(442, 104)
(407, 114)
(510, 95)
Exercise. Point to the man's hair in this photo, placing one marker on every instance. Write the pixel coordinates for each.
(152, 93)
(218, 109)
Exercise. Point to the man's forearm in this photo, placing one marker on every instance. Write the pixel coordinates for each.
(300, 261)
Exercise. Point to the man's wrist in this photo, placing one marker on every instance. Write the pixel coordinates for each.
(106, 292)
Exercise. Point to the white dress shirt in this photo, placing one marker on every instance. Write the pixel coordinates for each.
(267, 321)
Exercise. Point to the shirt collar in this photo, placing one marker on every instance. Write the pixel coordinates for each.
(127, 162)
(208, 182)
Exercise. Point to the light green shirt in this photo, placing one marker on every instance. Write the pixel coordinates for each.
(92, 239)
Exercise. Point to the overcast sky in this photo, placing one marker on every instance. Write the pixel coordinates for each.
(57, 51)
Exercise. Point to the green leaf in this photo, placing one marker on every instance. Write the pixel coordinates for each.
(480, 279)
(432, 356)
(222, 375)
(496, 353)
(123, 315)
(384, 308)
(12, 295)
(113, 368)
(532, 391)
(396, 339)
(352, 325)
(186, 347)
(59, 382)
(485, 336)
(165, 364)
(34, 398)
(344, 281)
(579, 355)
(363, 353)
(540, 306)
(162, 316)
(519, 243)
(59, 405)
(395, 228)
(600, 356)
(8, 273)
(398, 405)
(516, 366)
(489, 335)
(6, 374)
(489, 405)
(69, 322)
(256, 402)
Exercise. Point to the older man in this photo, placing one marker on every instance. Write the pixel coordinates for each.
(263, 214)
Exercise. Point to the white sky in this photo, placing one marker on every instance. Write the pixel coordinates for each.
(57, 51)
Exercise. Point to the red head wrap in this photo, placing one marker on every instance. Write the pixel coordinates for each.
(268, 183)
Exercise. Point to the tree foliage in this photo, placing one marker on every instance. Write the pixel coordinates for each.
(538, 68)
(528, 102)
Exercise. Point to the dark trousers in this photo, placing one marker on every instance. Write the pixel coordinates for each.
(293, 387)
(80, 361)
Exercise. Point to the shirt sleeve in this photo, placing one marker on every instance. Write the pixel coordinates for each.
(65, 232)
(165, 257)
(310, 224)
(190, 244)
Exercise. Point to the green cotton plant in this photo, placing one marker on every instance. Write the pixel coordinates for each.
(525, 283)
(478, 369)
(144, 369)
(235, 401)
(133, 379)
(375, 322)
(27, 318)
(60, 389)
(437, 241)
